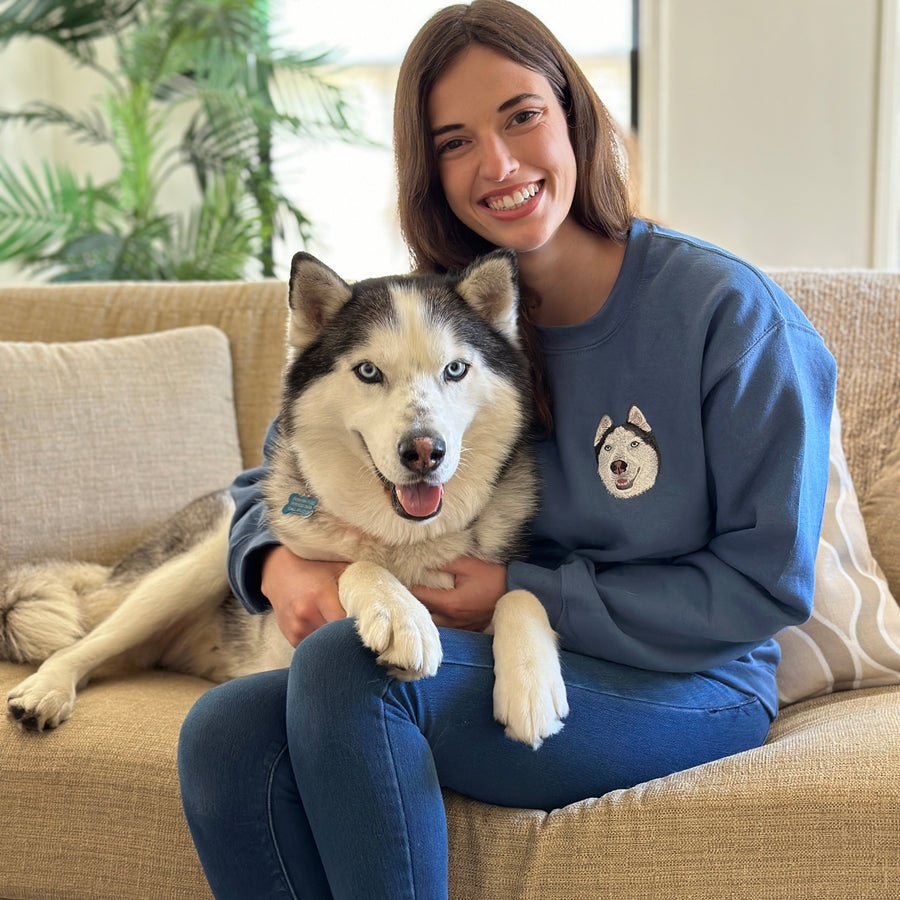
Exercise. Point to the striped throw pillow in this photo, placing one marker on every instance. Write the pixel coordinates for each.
(852, 639)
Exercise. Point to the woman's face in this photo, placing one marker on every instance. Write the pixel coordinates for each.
(505, 160)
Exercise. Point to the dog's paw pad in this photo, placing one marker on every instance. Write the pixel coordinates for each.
(34, 707)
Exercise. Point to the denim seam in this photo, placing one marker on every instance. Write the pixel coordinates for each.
(269, 783)
(630, 698)
(396, 780)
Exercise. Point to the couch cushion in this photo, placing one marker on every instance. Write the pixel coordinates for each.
(881, 510)
(92, 810)
(102, 440)
(852, 639)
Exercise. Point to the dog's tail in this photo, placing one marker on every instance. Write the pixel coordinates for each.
(42, 608)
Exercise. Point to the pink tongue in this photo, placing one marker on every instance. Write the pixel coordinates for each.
(420, 500)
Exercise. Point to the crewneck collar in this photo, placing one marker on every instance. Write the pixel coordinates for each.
(610, 317)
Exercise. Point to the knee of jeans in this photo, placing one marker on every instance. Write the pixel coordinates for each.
(330, 652)
(226, 735)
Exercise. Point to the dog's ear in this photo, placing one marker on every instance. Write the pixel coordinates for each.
(636, 418)
(602, 428)
(315, 294)
(490, 286)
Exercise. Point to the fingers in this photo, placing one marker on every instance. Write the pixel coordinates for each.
(303, 593)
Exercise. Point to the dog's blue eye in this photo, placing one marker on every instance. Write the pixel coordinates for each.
(369, 373)
(456, 370)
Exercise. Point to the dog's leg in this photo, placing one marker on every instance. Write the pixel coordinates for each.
(171, 592)
(529, 693)
(390, 621)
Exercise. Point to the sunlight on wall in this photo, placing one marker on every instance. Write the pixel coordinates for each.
(349, 191)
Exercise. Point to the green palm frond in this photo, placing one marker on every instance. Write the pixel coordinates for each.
(218, 237)
(74, 26)
(89, 127)
(40, 210)
(111, 256)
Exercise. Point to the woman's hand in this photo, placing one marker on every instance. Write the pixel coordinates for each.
(303, 593)
(470, 603)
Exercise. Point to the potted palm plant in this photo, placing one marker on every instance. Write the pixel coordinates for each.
(236, 93)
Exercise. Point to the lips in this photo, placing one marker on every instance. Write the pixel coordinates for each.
(513, 199)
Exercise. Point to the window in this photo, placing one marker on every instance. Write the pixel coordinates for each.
(349, 191)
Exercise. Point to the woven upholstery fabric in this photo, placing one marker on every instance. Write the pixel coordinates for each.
(881, 512)
(101, 440)
(812, 814)
(253, 315)
(857, 312)
(92, 811)
(852, 639)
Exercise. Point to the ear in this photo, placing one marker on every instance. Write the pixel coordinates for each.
(315, 294)
(490, 286)
(636, 418)
(602, 428)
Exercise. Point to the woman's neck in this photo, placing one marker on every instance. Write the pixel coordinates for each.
(571, 278)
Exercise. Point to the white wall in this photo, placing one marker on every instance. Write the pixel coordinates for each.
(760, 125)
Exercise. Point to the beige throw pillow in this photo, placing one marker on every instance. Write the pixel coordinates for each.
(881, 510)
(102, 440)
(852, 639)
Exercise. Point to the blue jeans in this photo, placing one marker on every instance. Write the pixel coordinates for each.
(324, 780)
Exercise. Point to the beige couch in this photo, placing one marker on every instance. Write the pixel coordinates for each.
(92, 810)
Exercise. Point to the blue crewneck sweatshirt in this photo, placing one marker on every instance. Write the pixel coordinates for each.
(683, 487)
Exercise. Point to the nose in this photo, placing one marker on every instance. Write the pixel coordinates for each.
(618, 467)
(497, 161)
(422, 453)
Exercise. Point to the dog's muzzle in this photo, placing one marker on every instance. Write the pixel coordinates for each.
(422, 455)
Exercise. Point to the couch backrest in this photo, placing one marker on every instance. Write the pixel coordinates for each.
(857, 313)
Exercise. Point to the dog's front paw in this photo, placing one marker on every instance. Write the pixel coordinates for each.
(391, 622)
(41, 702)
(532, 709)
(529, 692)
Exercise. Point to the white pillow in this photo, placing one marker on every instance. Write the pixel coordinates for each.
(102, 440)
(852, 639)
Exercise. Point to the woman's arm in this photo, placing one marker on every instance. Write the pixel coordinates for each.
(766, 436)
(265, 575)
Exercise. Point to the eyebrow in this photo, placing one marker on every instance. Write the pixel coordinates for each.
(513, 101)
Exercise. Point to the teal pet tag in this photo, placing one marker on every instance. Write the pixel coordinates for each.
(300, 505)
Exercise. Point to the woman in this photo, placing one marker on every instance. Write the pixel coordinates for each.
(685, 403)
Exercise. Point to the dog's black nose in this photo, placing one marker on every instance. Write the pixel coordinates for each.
(618, 466)
(421, 453)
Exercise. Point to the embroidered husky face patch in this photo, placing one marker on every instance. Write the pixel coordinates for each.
(627, 455)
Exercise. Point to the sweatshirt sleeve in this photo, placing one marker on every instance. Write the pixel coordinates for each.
(765, 435)
(250, 538)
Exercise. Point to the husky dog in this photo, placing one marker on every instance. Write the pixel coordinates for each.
(627, 455)
(401, 446)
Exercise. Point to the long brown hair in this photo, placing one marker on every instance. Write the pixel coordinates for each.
(437, 240)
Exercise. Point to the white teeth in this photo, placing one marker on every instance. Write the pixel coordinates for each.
(514, 200)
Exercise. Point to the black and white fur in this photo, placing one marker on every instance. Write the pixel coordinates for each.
(404, 427)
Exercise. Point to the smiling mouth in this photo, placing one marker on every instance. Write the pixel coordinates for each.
(519, 197)
(418, 501)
